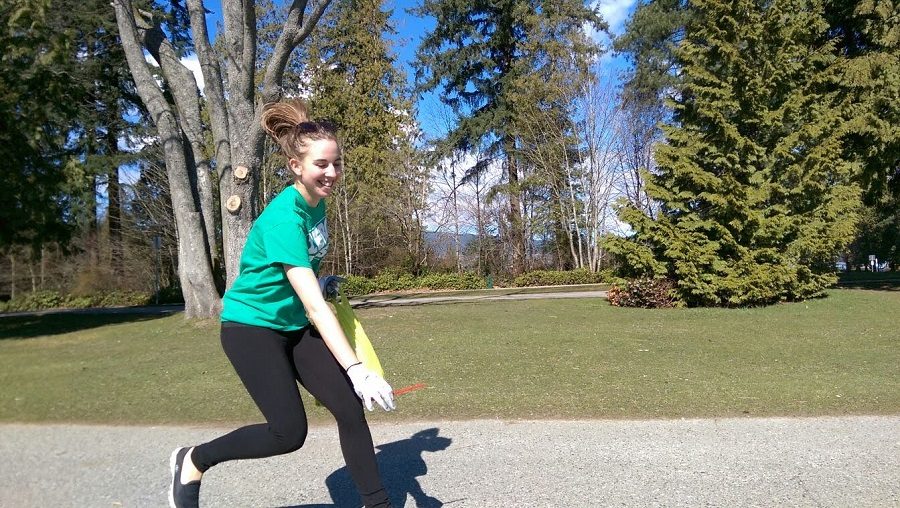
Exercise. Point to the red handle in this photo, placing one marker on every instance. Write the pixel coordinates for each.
(401, 391)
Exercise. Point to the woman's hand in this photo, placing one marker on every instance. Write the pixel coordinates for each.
(370, 386)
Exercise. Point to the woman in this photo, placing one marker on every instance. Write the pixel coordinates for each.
(277, 328)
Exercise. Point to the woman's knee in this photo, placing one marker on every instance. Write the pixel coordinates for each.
(290, 437)
(349, 413)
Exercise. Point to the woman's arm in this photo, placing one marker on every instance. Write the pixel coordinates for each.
(369, 386)
(306, 285)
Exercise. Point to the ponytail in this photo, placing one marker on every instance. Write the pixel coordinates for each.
(287, 122)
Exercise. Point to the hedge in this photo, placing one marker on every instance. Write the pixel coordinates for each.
(40, 300)
(353, 286)
(561, 278)
(392, 281)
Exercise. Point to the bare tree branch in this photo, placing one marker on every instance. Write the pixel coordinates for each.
(213, 90)
(295, 31)
(248, 57)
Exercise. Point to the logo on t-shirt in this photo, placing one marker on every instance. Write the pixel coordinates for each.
(318, 241)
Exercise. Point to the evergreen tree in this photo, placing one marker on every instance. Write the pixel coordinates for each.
(489, 59)
(36, 106)
(868, 34)
(560, 53)
(355, 83)
(864, 33)
(649, 42)
(755, 197)
(108, 94)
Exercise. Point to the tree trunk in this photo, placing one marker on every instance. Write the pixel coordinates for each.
(237, 135)
(93, 222)
(516, 234)
(12, 277)
(220, 126)
(479, 224)
(185, 93)
(194, 270)
(246, 135)
(456, 224)
(114, 207)
(43, 264)
(33, 276)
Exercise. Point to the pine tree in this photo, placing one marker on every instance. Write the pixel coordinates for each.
(489, 59)
(559, 54)
(107, 92)
(35, 109)
(649, 42)
(756, 199)
(354, 82)
(868, 33)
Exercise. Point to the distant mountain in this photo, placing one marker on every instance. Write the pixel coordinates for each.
(441, 243)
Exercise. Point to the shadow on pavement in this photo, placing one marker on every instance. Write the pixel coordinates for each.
(400, 462)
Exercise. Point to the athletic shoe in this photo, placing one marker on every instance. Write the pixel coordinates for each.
(182, 495)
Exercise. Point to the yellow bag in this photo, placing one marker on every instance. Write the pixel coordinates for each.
(357, 337)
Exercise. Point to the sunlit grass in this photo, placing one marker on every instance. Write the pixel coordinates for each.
(576, 358)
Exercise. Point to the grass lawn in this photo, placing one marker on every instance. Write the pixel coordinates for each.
(576, 358)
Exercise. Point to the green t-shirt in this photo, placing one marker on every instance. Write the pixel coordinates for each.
(288, 231)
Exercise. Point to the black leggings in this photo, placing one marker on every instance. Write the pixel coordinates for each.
(270, 363)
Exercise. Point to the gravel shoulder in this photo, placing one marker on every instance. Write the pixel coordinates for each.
(839, 461)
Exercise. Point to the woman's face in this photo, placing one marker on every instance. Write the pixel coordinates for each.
(320, 170)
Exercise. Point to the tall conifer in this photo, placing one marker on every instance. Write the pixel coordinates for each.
(355, 83)
(755, 197)
(486, 58)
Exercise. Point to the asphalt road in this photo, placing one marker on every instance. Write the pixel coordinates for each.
(845, 462)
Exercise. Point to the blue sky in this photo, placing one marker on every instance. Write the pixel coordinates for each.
(411, 29)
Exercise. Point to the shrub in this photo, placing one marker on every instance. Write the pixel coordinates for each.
(122, 298)
(560, 278)
(395, 281)
(452, 281)
(37, 300)
(355, 285)
(41, 300)
(644, 292)
(79, 302)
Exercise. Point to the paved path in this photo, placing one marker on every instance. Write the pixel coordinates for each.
(843, 462)
(387, 300)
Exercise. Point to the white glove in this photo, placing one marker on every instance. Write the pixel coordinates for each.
(370, 386)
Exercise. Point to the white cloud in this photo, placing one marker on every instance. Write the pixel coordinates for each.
(615, 12)
(191, 62)
(134, 144)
